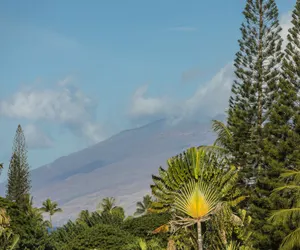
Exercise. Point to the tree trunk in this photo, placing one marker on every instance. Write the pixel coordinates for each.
(50, 219)
(200, 241)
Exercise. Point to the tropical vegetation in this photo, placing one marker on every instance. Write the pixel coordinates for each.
(242, 192)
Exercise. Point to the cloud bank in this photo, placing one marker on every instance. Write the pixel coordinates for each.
(64, 105)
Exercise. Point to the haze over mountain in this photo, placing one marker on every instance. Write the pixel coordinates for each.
(120, 166)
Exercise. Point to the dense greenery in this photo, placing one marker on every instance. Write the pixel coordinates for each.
(242, 192)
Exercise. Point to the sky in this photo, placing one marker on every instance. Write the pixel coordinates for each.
(75, 72)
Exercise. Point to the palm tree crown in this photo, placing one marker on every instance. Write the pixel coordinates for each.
(51, 208)
(143, 207)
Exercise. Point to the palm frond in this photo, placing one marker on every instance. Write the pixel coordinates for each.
(292, 241)
(224, 135)
(295, 174)
(292, 187)
(284, 215)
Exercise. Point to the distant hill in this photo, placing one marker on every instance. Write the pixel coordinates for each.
(120, 166)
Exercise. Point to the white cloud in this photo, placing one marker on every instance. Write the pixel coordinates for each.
(146, 106)
(63, 105)
(184, 28)
(209, 99)
(36, 138)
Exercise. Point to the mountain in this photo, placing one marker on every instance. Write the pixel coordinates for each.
(120, 166)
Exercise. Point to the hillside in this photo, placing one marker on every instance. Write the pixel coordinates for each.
(120, 166)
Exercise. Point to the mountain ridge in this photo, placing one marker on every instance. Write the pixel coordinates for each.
(120, 166)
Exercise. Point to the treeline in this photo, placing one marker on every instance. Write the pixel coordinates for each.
(242, 192)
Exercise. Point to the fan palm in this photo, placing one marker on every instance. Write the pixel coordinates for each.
(292, 240)
(143, 207)
(198, 201)
(51, 208)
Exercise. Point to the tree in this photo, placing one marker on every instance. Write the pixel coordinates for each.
(281, 146)
(285, 216)
(110, 212)
(142, 207)
(51, 208)
(257, 73)
(143, 226)
(199, 164)
(32, 234)
(108, 204)
(100, 237)
(18, 173)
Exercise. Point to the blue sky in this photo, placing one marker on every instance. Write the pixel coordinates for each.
(74, 73)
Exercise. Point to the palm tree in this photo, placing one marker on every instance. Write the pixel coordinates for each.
(108, 204)
(284, 216)
(143, 207)
(51, 208)
(111, 213)
(84, 218)
(200, 164)
(198, 201)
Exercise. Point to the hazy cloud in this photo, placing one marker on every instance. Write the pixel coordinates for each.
(209, 99)
(63, 105)
(36, 138)
(142, 105)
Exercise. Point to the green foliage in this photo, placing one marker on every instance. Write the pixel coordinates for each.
(263, 118)
(208, 168)
(281, 147)
(18, 173)
(256, 69)
(8, 240)
(290, 216)
(63, 236)
(32, 232)
(141, 244)
(143, 226)
(101, 237)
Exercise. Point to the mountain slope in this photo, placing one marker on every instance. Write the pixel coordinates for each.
(120, 166)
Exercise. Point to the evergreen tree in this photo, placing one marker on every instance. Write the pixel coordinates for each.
(255, 97)
(281, 146)
(18, 185)
(256, 70)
